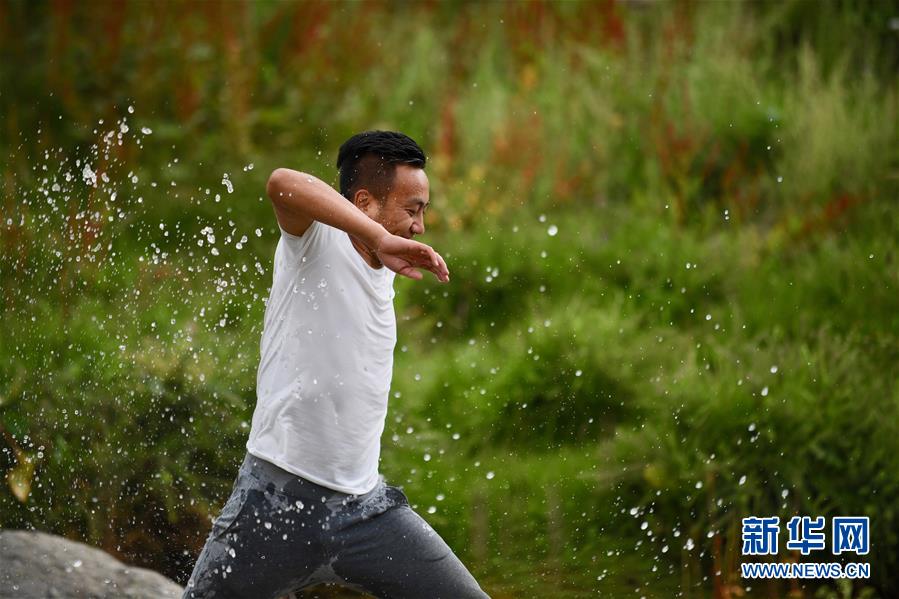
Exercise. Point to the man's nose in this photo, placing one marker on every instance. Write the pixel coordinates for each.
(418, 226)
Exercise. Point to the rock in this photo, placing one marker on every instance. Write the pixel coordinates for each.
(35, 564)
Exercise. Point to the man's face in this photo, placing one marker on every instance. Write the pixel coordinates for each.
(403, 212)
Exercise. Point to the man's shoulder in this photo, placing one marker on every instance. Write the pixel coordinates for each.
(318, 234)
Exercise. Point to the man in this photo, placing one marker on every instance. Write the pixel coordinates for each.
(308, 505)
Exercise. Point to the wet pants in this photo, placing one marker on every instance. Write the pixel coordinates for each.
(279, 533)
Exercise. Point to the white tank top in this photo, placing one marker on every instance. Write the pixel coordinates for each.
(326, 362)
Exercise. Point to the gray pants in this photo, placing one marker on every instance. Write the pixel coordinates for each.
(280, 533)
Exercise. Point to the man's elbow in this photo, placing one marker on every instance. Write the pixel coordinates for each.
(277, 182)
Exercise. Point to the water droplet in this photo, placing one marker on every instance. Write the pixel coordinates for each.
(552, 230)
(490, 475)
(90, 177)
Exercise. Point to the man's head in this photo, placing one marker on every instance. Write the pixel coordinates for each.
(382, 173)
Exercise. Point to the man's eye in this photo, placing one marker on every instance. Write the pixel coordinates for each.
(410, 213)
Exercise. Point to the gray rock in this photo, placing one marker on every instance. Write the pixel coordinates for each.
(39, 565)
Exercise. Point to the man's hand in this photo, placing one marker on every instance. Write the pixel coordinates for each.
(403, 256)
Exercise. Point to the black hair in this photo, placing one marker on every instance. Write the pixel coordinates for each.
(368, 161)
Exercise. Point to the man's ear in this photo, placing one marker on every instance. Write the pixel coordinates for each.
(363, 200)
(368, 203)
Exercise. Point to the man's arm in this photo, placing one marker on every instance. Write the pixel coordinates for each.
(299, 198)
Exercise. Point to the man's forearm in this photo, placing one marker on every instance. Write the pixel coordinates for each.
(301, 193)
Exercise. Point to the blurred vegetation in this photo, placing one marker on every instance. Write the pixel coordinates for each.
(672, 234)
